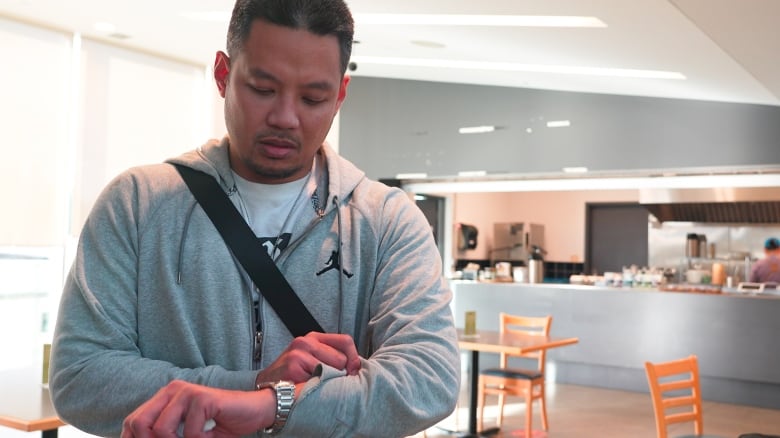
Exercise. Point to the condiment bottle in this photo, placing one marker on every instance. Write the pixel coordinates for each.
(718, 274)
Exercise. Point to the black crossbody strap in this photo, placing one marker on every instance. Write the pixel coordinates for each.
(253, 257)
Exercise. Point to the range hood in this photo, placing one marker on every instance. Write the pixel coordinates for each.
(753, 205)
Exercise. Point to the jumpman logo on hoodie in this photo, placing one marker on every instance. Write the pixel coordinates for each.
(333, 263)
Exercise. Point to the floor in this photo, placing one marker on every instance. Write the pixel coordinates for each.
(584, 412)
(576, 412)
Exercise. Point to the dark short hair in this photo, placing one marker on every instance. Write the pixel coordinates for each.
(772, 243)
(320, 17)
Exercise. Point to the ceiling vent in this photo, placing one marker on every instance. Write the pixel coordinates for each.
(749, 205)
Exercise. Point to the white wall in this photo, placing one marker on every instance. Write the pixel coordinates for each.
(33, 111)
(74, 114)
(133, 109)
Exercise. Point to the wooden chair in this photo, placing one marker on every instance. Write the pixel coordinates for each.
(674, 388)
(520, 382)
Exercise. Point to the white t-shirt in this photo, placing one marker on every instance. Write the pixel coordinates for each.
(271, 210)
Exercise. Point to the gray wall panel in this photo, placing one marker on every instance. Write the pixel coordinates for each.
(395, 126)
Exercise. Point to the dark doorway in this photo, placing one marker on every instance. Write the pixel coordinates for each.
(433, 209)
(615, 236)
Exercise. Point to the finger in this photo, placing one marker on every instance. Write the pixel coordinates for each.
(345, 345)
(181, 431)
(141, 421)
(195, 417)
(320, 352)
(177, 411)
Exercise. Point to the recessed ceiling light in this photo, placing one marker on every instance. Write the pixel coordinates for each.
(514, 66)
(476, 129)
(558, 123)
(478, 20)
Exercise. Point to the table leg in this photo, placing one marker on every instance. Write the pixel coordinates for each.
(473, 400)
(474, 381)
(473, 392)
(51, 433)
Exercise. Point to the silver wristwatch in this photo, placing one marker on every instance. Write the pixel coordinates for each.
(285, 396)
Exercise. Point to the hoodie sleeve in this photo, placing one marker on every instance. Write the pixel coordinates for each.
(410, 377)
(98, 375)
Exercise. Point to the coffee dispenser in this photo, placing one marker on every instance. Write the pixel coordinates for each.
(536, 265)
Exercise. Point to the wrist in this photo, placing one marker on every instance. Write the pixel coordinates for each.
(283, 396)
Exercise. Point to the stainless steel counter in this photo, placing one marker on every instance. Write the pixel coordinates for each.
(735, 336)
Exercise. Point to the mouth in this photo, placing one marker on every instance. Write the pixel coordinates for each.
(277, 148)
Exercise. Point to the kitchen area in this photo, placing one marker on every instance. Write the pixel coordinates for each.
(608, 206)
(690, 293)
(699, 241)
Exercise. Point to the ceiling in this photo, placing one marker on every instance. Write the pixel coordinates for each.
(727, 50)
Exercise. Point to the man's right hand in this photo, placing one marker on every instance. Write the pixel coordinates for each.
(300, 359)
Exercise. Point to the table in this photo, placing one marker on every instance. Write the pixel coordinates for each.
(491, 341)
(25, 404)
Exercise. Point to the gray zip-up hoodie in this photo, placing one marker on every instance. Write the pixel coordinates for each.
(154, 295)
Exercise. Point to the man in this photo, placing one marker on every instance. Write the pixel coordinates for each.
(767, 269)
(160, 331)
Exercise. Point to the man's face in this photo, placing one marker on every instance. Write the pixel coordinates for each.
(281, 93)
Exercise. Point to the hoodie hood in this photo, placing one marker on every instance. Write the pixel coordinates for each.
(338, 181)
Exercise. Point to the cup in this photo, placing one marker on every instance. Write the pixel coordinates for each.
(46, 357)
(471, 323)
(503, 270)
(520, 274)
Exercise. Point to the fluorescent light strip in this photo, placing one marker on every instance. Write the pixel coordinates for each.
(512, 66)
(476, 129)
(478, 20)
(472, 173)
(575, 169)
(678, 182)
(558, 123)
(420, 175)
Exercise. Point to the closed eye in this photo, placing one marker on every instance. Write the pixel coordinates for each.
(313, 101)
(262, 91)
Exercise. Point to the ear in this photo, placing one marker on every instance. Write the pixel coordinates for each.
(221, 71)
(342, 92)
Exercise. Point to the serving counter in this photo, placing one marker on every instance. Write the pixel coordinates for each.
(736, 337)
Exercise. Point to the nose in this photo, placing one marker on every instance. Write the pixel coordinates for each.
(284, 114)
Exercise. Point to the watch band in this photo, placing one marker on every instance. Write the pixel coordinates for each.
(285, 397)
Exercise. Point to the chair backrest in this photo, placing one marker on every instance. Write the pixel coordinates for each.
(674, 388)
(527, 325)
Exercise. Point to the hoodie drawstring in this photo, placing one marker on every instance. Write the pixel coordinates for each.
(181, 243)
(341, 267)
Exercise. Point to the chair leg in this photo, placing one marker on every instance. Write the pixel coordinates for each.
(528, 413)
(543, 403)
(500, 409)
(480, 405)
